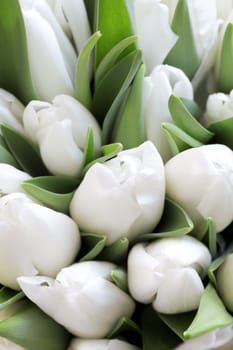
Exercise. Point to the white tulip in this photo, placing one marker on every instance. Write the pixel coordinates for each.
(11, 179)
(153, 29)
(53, 72)
(218, 339)
(60, 129)
(100, 344)
(123, 197)
(219, 106)
(82, 298)
(199, 179)
(167, 273)
(224, 281)
(11, 110)
(72, 16)
(158, 87)
(34, 239)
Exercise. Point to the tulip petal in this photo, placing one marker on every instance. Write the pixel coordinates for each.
(180, 291)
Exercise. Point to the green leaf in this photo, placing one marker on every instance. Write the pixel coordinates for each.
(124, 325)
(116, 252)
(178, 139)
(225, 77)
(175, 222)
(82, 74)
(111, 58)
(113, 21)
(34, 330)
(6, 157)
(54, 192)
(208, 234)
(178, 323)
(119, 277)
(183, 54)
(23, 151)
(14, 66)
(223, 130)
(89, 148)
(213, 267)
(211, 314)
(117, 78)
(129, 75)
(109, 151)
(92, 245)
(186, 121)
(155, 333)
(9, 296)
(129, 127)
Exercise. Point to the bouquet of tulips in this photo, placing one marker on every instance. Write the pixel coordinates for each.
(116, 174)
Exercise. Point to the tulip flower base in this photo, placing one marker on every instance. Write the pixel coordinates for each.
(116, 163)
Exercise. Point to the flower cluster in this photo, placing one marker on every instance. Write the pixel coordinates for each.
(116, 174)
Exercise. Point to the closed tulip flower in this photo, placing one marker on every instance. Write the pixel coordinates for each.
(123, 197)
(60, 129)
(224, 8)
(153, 29)
(100, 344)
(219, 106)
(34, 239)
(72, 16)
(158, 87)
(53, 73)
(168, 273)
(82, 298)
(199, 179)
(11, 110)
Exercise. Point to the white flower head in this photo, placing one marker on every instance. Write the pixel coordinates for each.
(168, 273)
(164, 81)
(123, 197)
(34, 239)
(153, 29)
(201, 178)
(82, 298)
(53, 73)
(60, 129)
(219, 106)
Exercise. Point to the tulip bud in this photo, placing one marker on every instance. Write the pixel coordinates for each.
(158, 87)
(53, 73)
(33, 239)
(60, 129)
(168, 272)
(82, 298)
(224, 281)
(123, 197)
(153, 29)
(218, 339)
(11, 179)
(100, 344)
(72, 16)
(219, 106)
(11, 110)
(199, 179)
(6, 344)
